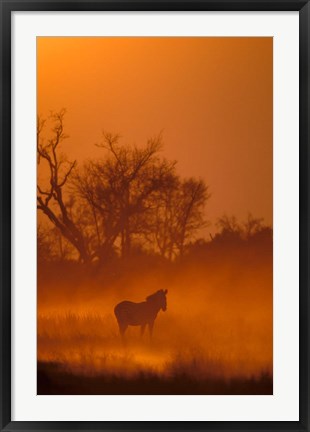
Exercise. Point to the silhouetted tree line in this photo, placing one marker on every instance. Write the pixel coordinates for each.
(233, 236)
(130, 199)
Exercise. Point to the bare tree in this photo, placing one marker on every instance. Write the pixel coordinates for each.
(233, 231)
(50, 197)
(190, 215)
(229, 225)
(131, 194)
(164, 217)
(118, 190)
(52, 245)
(179, 215)
(252, 226)
(44, 245)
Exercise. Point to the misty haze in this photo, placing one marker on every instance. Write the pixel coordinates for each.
(155, 246)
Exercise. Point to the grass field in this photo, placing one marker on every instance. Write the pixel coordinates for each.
(215, 337)
(83, 354)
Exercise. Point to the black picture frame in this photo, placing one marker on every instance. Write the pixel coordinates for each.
(9, 6)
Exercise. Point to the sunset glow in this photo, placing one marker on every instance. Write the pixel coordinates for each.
(154, 174)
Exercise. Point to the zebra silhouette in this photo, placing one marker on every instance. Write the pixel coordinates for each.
(140, 314)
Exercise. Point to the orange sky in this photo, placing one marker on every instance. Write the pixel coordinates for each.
(211, 97)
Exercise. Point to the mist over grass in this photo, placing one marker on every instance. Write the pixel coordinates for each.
(214, 338)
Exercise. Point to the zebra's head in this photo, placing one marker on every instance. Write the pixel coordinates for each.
(160, 298)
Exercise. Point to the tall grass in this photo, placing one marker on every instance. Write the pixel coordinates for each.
(216, 335)
(89, 344)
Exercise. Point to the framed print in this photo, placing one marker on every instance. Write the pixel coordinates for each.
(154, 215)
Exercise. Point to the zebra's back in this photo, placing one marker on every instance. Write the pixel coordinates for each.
(131, 313)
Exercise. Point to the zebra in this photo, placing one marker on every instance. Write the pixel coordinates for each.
(140, 314)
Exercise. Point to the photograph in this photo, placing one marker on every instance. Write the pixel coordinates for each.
(154, 215)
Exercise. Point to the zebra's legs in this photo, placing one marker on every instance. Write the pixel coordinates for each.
(151, 325)
(122, 329)
(142, 328)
